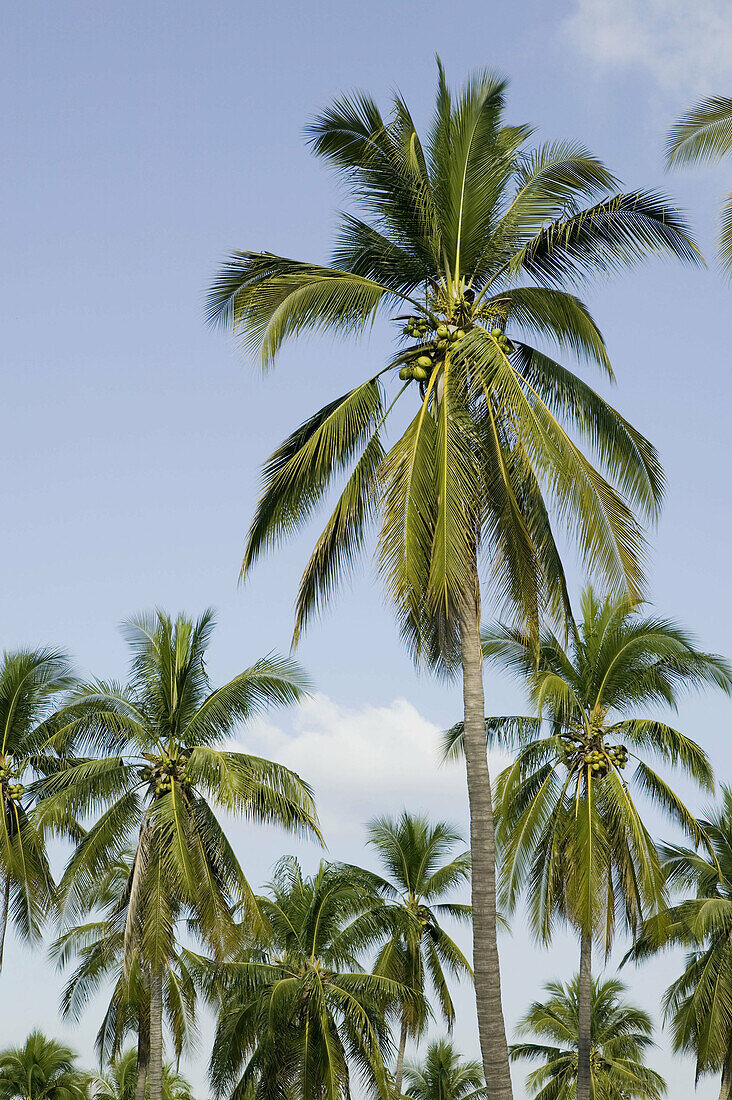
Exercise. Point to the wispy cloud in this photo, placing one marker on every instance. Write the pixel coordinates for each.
(685, 47)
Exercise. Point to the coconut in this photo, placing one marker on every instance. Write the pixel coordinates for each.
(405, 374)
(443, 331)
(496, 333)
(424, 361)
(420, 374)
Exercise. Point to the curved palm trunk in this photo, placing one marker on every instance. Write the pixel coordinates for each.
(4, 918)
(584, 1011)
(491, 1027)
(725, 1088)
(143, 1053)
(399, 1074)
(156, 1035)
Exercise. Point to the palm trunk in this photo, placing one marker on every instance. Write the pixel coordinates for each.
(156, 1035)
(4, 918)
(584, 1012)
(725, 1088)
(491, 1027)
(143, 1053)
(400, 1060)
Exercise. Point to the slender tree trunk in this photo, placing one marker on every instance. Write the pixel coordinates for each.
(491, 1027)
(584, 1010)
(400, 1060)
(156, 1035)
(143, 1052)
(4, 917)
(725, 1088)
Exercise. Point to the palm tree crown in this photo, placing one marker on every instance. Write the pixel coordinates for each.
(161, 771)
(420, 876)
(31, 683)
(699, 1002)
(444, 1075)
(621, 1036)
(298, 1011)
(41, 1069)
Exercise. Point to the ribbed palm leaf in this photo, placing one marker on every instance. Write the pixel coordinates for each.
(160, 774)
(699, 1002)
(30, 685)
(704, 133)
(98, 948)
(621, 1036)
(470, 236)
(420, 877)
(120, 1081)
(41, 1069)
(299, 1014)
(569, 829)
(444, 1075)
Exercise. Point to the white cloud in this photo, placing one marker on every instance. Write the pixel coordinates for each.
(365, 761)
(685, 47)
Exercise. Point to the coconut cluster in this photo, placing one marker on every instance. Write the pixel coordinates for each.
(430, 351)
(13, 792)
(597, 763)
(618, 755)
(163, 770)
(502, 340)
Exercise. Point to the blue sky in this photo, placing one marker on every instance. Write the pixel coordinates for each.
(140, 142)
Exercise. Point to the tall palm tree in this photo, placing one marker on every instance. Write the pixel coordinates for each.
(120, 1081)
(415, 855)
(161, 772)
(41, 1069)
(569, 829)
(298, 1011)
(98, 948)
(31, 681)
(699, 1002)
(621, 1036)
(470, 238)
(704, 133)
(444, 1075)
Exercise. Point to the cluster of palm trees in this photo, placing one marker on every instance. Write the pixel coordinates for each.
(463, 463)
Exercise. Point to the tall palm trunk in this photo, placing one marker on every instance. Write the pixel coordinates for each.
(4, 917)
(156, 1034)
(143, 1052)
(399, 1074)
(584, 1012)
(725, 1088)
(491, 1027)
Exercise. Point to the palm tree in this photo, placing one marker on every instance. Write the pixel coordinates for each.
(416, 858)
(470, 238)
(621, 1036)
(444, 1075)
(160, 774)
(298, 1012)
(120, 1081)
(98, 947)
(699, 1002)
(31, 681)
(42, 1069)
(704, 133)
(569, 830)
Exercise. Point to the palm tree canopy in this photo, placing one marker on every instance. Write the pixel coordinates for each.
(97, 947)
(42, 1069)
(699, 1002)
(586, 693)
(31, 684)
(621, 1037)
(471, 235)
(415, 855)
(704, 133)
(120, 1079)
(298, 1012)
(161, 770)
(444, 1075)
